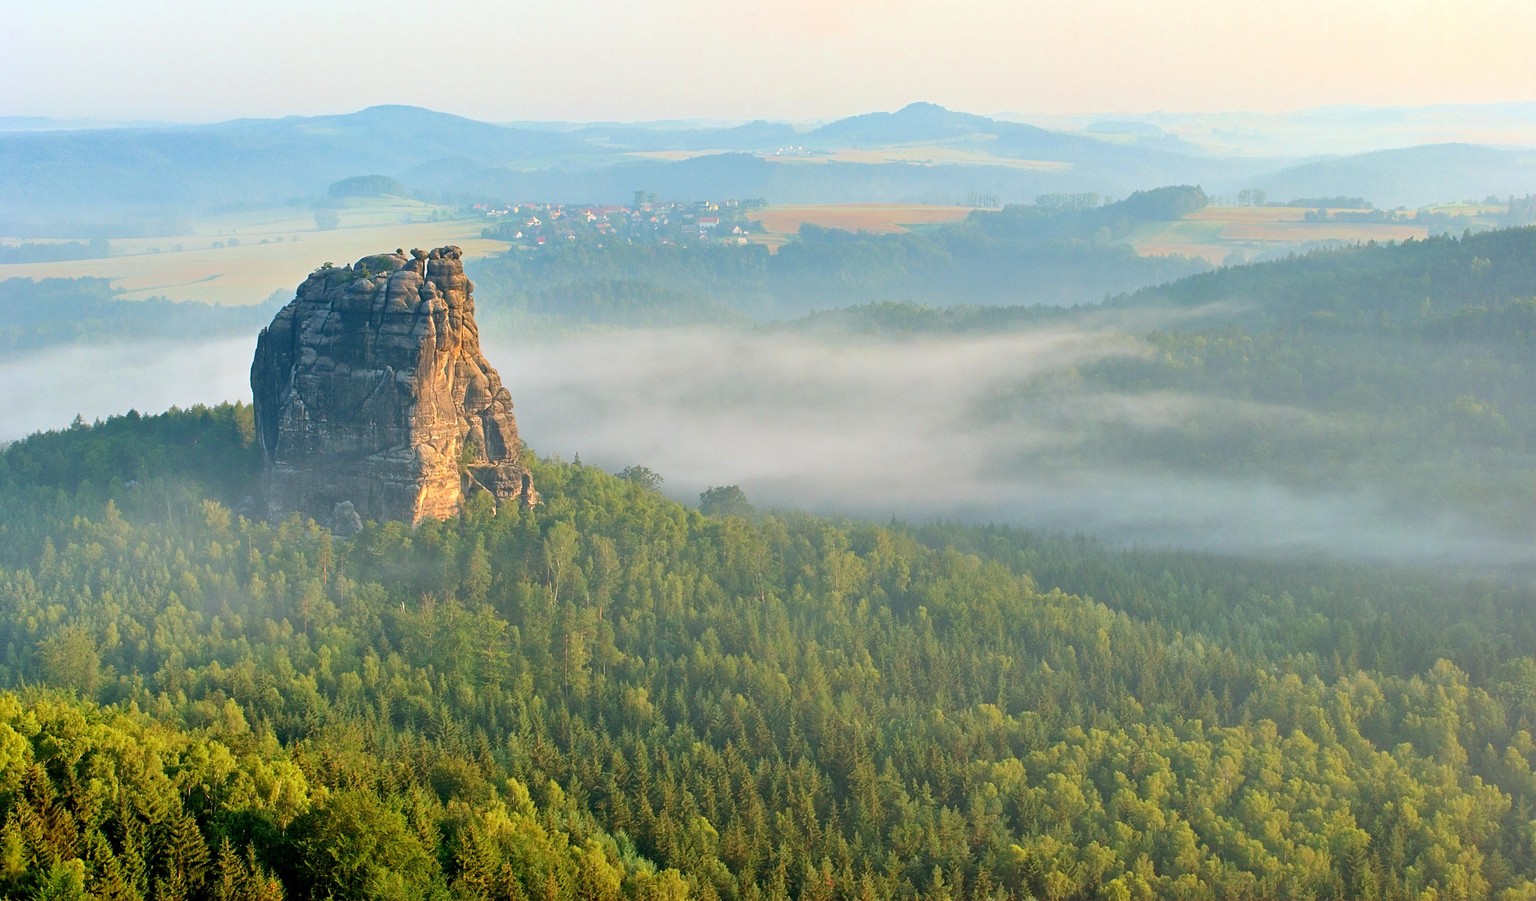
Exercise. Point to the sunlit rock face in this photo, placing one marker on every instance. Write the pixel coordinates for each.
(373, 400)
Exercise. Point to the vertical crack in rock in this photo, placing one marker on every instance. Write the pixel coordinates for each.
(373, 400)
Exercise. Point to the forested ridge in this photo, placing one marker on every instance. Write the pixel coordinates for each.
(1034, 254)
(52, 311)
(1397, 374)
(611, 695)
(1409, 286)
(1405, 367)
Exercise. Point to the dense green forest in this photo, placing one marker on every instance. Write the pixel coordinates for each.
(612, 695)
(1405, 367)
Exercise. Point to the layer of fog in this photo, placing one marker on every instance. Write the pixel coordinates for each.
(848, 426)
(47, 389)
(881, 429)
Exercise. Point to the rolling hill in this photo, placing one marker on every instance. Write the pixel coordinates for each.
(63, 181)
(114, 180)
(1411, 176)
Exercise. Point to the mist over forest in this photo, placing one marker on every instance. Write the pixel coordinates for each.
(1007, 427)
(911, 429)
(1369, 402)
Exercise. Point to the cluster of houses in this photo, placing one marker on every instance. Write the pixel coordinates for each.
(536, 225)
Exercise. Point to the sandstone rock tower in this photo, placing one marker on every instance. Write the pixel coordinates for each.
(373, 400)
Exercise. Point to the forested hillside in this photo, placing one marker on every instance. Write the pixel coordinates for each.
(1404, 366)
(1394, 376)
(611, 695)
(56, 311)
(1020, 255)
(1415, 285)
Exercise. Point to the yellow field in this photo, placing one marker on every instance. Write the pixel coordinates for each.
(1247, 214)
(277, 250)
(1468, 209)
(1214, 233)
(771, 241)
(672, 156)
(885, 218)
(1300, 232)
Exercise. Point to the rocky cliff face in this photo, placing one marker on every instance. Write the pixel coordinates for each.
(373, 400)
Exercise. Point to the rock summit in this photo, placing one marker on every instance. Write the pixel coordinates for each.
(373, 400)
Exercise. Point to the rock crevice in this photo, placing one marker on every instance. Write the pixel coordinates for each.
(374, 401)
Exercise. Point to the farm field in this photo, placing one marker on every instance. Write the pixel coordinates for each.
(671, 156)
(884, 218)
(1215, 233)
(275, 250)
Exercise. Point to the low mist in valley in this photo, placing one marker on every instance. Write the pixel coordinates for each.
(1321, 405)
(913, 429)
(916, 428)
(46, 389)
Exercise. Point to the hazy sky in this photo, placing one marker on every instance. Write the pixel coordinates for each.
(786, 59)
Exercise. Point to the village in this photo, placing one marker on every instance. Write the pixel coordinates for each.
(646, 221)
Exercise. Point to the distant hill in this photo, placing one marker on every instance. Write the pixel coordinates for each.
(1083, 164)
(111, 173)
(102, 180)
(64, 180)
(919, 123)
(1411, 176)
(913, 122)
(757, 135)
(1319, 131)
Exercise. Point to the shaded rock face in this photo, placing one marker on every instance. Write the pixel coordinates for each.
(373, 400)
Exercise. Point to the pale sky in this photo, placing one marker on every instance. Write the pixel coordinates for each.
(499, 60)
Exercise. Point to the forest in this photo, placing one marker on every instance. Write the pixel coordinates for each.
(743, 478)
(1052, 253)
(613, 695)
(1401, 371)
(55, 311)
(616, 695)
